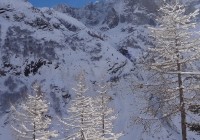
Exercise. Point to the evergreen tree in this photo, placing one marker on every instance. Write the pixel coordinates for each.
(82, 115)
(30, 120)
(104, 122)
(176, 51)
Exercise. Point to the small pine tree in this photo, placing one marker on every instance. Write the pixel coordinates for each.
(81, 121)
(30, 120)
(104, 122)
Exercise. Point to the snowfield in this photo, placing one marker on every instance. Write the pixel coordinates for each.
(52, 47)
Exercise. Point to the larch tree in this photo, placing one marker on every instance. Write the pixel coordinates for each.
(31, 121)
(82, 115)
(105, 113)
(174, 56)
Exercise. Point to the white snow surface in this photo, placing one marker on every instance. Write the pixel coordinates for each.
(126, 102)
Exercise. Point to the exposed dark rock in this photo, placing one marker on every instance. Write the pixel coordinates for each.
(96, 58)
(114, 79)
(96, 35)
(2, 73)
(117, 68)
(112, 18)
(27, 45)
(39, 23)
(96, 50)
(10, 69)
(125, 52)
(66, 96)
(33, 67)
(19, 17)
(69, 26)
(5, 9)
(104, 29)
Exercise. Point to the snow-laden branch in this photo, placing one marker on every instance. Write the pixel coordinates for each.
(30, 121)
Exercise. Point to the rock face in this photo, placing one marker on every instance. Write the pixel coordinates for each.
(112, 18)
(111, 12)
(51, 46)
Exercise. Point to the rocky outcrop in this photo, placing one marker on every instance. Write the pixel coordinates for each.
(112, 18)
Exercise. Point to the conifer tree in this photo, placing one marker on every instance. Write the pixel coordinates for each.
(31, 121)
(105, 113)
(175, 52)
(82, 116)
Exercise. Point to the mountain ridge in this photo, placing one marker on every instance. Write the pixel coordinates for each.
(51, 46)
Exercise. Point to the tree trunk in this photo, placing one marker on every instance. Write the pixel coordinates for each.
(82, 135)
(82, 122)
(34, 131)
(182, 103)
(34, 124)
(103, 117)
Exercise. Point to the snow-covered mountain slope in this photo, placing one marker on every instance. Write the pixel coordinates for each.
(51, 46)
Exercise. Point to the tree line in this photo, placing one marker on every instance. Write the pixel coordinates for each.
(89, 118)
